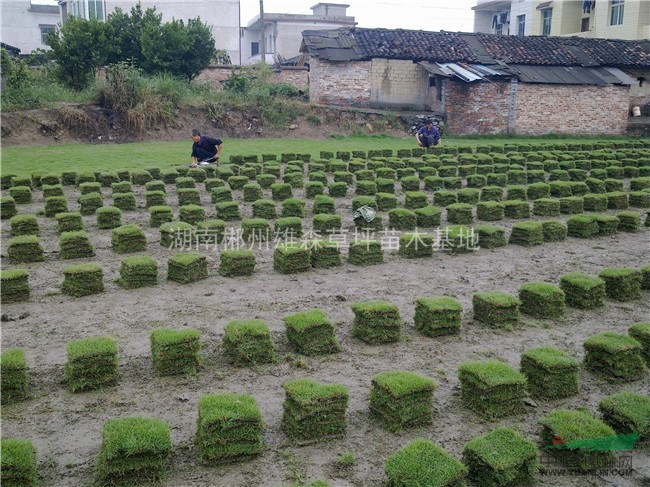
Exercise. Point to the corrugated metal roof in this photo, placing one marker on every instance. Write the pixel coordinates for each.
(570, 75)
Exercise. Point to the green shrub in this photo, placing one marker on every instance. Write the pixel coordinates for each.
(376, 322)
(313, 411)
(134, 450)
(401, 400)
(438, 316)
(236, 262)
(541, 300)
(500, 458)
(574, 429)
(248, 342)
(186, 267)
(311, 333)
(615, 356)
(622, 284)
(496, 309)
(139, 271)
(229, 428)
(527, 234)
(583, 291)
(18, 459)
(492, 389)
(92, 363)
(551, 373)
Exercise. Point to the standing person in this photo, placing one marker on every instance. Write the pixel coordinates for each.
(428, 135)
(205, 149)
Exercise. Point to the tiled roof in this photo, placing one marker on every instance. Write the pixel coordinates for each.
(446, 47)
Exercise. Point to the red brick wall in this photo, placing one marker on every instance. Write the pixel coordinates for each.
(342, 83)
(476, 108)
(571, 109)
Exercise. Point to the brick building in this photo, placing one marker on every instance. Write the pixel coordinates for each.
(482, 83)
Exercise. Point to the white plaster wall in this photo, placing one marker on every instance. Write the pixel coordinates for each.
(21, 28)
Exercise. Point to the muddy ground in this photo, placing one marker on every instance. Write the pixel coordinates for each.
(66, 428)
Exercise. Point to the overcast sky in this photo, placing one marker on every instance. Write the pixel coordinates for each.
(452, 15)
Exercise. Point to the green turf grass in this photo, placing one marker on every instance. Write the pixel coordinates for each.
(641, 333)
(437, 316)
(376, 322)
(622, 284)
(14, 286)
(24, 249)
(186, 267)
(175, 351)
(311, 333)
(82, 280)
(551, 373)
(14, 379)
(128, 239)
(75, 245)
(627, 412)
(18, 463)
(616, 356)
(92, 363)
(496, 309)
(583, 291)
(541, 300)
(248, 342)
(138, 271)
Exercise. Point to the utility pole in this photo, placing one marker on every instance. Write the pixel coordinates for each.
(262, 33)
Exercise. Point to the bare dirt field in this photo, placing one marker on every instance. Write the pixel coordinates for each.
(66, 427)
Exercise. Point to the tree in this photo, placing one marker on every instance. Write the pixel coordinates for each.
(80, 47)
(126, 33)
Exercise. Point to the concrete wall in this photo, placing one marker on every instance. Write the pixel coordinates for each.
(342, 84)
(636, 22)
(21, 27)
(397, 83)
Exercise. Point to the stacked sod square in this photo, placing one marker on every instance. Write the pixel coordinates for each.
(365, 252)
(551, 373)
(501, 458)
(92, 363)
(496, 309)
(68, 222)
(229, 428)
(438, 316)
(248, 342)
(422, 463)
(492, 389)
(627, 412)
(14, 379)
(127, 239)
(24, 249)
(527, 234)
(645, 276)
(622, 284)
(573, 436)
(554, 231)
(236, 262)
(416, 245)
(18, 464)
(138, 272)
(641, 333)
(541, 300)
(291, 258)
(134, 451)
(311, 333)
(401, 399)
(82, 280)
(75, 245)
(490, 236)
(175, 352)
(616, 356)
(582, 226)
(108, 217)
(583, 291)
(186, 267)
(14, 286)
(376, 322)
(24, 225)
(313, 411)
(325, 254)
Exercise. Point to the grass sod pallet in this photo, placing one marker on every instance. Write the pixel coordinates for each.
(490, 236)
(365, 252)
(630, 221)
(248, 342)
(582, 226)
(256, 230)
(89, 203)
(158, 215)
(438, 316)
(641, 333)
(492, 389)
(14, 379)
(376, 322)
(496, 309)
(187, 267)
(622, 284)
(21, 194)
(24, 249)
(175, 352)
(263, 208)
(489, 211)
(82, 280)
(124, 201)
(546, 207)
(14, 286)
(583, 291)
(176, 234)
(236, 262)
(501, 457)
(18, 464)
(311, 333)
(134, 450)
(607, 224)
(127, 239)
(69, 222)
(191, 214)
(516, 209)
(627, 412)
(568, 434)
(288, 228)
(617, 357)
(527, 234)
(428, 217)
(92, 363)
(541, 300)
(138, 271)
(291, 258)
(229, 428)
(551, 373)
(422, 463)
(401, 400)
(108, 217)
(7, 207)
(324, 254)
(416, 245)
(54, 205)
(75, 245)
(324, 223)
(313, 411)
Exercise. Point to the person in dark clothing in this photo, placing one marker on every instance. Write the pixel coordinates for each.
(428, 135)
(205, 149)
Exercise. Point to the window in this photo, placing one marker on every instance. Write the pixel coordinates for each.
(45, 30)
(498, 29)
(96, 9)
(521, 25)
(584, 27)
(255, 48)
(547, 16)
(617, 12)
